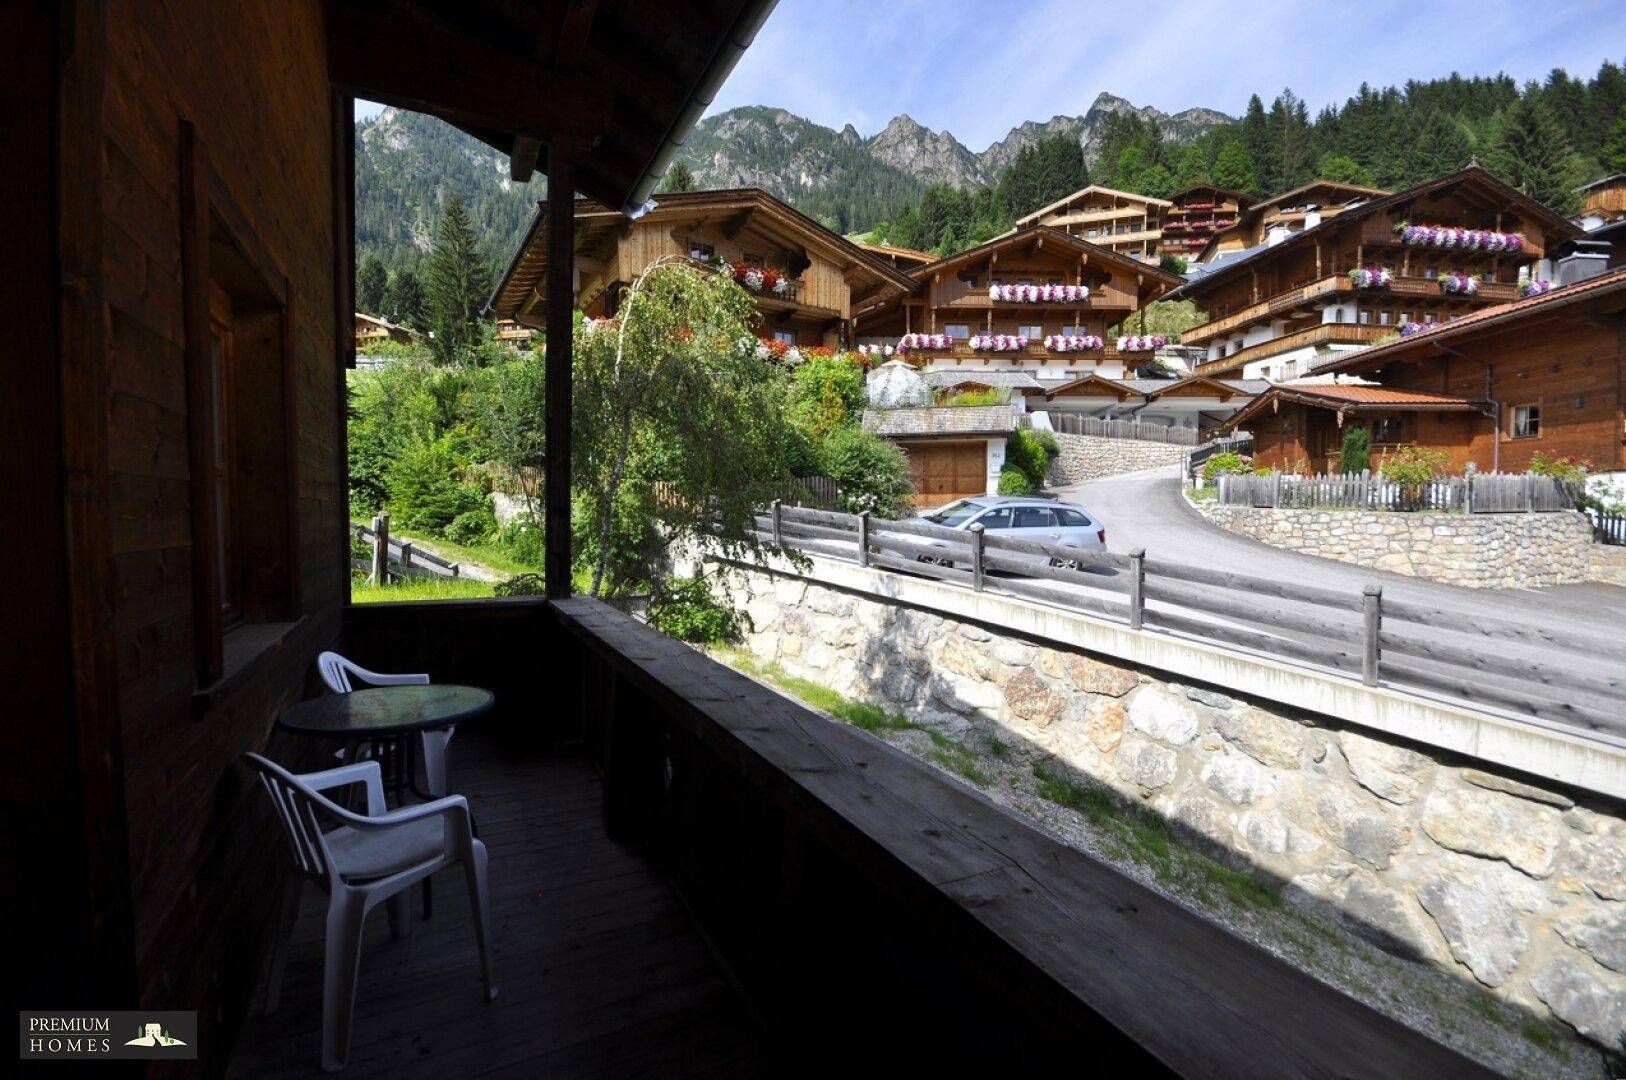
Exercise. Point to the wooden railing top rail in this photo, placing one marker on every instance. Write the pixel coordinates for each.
(1321, 333)
(1048, 922)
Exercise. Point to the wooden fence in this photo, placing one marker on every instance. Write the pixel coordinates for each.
(398, 558)
(1608, 528)
(1481, 661)
(1478, 493)
(1071, 424)
(1239, 443)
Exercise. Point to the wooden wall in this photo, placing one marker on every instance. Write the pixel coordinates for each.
(252, 78)
(822, 282)
(1570, 365)
(1297, 438)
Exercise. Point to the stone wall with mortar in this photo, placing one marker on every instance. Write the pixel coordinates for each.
(1507, 883)
(1091, 457)
(1606, 564)
(1478, 551)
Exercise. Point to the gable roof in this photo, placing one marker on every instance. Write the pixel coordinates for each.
(528, 266)
(1024, 233)
(1242, 197)
(1220, 388)
(918, 257)
(1604, 181)
(1092, 381)
(1092, 189)
(1349, 399)
(1560, 227)
(1351, 189)
(1612, 284)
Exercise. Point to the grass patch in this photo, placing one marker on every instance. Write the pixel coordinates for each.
(1534, 1031)
(497, 558)
(956, 757)
(997, 747)
(364, 592)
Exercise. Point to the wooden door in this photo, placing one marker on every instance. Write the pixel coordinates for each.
(945, 471)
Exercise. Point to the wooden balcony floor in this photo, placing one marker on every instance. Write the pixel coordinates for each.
(599, 968)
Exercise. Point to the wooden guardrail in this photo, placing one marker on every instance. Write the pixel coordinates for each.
(1479, 661)
(1608, 528)
(407, 559)
(1070, 424)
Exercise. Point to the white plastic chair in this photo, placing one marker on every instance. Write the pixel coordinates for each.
(366, 860)
(338, 674)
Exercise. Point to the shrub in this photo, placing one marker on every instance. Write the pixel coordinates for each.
(1013, 481)
(520, 585)
(424, 489)
(1228, 462)
(472, 526)
(870, 471)
(686, 608)
(1032, 452)
(522, 539)
(827, 391)
(969, 398)
(1571, 469)
(1412, 466)
(1356, 453)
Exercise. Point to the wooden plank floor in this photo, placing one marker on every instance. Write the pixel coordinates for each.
(600, 970)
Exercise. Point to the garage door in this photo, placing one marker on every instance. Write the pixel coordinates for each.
(945, 471)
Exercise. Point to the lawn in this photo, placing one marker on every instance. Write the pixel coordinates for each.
(364, 592)
(497, 558)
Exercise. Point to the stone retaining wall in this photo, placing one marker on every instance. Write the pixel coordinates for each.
(1606, 564)
(1510, 884)
(1092, 457)
(1479, 551)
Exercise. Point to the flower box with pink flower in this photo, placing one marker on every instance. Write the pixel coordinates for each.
(1071, 343)
(999, 342)
(1459, 284)
(1038, 294)
(1450, 236)
(1534, 287)
(925, 343)
(1371, 277)
(1141, 342)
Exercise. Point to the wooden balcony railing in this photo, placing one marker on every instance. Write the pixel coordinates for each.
(1323, 334)
(1494, 292)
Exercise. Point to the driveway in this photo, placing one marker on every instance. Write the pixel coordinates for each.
(1147, 509)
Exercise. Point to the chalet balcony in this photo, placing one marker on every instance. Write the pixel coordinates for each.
(1322, 334)
(694, 876)
(1296, 299)
(962, 351)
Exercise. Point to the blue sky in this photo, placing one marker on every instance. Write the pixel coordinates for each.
(980, 67)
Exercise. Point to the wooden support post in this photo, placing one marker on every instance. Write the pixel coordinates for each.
(863, 538)
(381, 550)
(977, 541)
(561, 301)
(1137, 588)
(778, 526)
(406, 557)
(1372, 610)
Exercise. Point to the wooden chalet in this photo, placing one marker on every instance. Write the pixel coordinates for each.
(1278, 309)
(1493, 388)
(691, 875)
(1282, 215)
(1119, 221)
(1196, 215)
(1603, 201)
(1197, 404)
(905, 259)
(821, 275)
(371, 330)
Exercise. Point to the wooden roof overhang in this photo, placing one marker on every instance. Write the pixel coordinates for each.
(1197, 386)
(1243, 199)
(1390, 402)
(1092, 189)
(1474, 181)
(1093, 385)
(621, 82)
(733, 211)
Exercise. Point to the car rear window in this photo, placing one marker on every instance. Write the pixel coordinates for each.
(955, 513)
(1072, 517)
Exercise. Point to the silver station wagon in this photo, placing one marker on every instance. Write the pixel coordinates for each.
(1044, 520)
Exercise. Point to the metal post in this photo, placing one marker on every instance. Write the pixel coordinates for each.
(381, 550)
(863, 538)
(406, 557)
(977, 540)
(778, 529)
(1372, 609)
(1137, 588)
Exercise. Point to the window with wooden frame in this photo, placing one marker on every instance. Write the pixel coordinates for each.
(701, 251)
(1387, 431)
(241, 420)
(1526, 422)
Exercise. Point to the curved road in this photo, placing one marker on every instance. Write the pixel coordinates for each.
(1147, 509)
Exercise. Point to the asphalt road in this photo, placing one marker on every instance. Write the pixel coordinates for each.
(1147, 510)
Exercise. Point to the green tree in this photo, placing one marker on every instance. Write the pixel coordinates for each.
(1442, 148)
(1256, 138)
(1344, 169)
(404, 301)
(825, 393)
(459, 281)
(1529, 152)
(1614, 145)
(1043, 172)
(678, 178)
(676, 395)
(1355, 455)
(1234, 168)
(371, 282)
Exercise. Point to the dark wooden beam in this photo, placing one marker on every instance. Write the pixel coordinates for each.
(736, 224)
(400, 54)
(561, 258)
(522, 158)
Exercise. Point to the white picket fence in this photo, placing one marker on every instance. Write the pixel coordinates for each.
(1478, 493)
